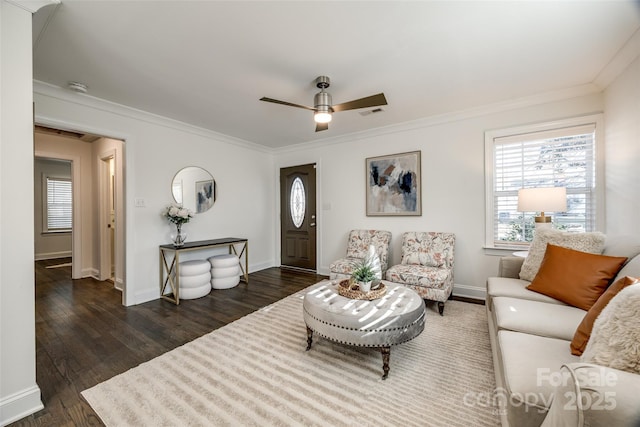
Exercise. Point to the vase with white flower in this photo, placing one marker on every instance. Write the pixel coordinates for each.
(178, 215)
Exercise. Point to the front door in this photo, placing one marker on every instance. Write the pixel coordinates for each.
(298, 217)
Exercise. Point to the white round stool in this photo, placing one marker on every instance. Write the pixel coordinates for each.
(195, 279)
(225, 271)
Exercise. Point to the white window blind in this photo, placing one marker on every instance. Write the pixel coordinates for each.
(58, 204)
(559, 157)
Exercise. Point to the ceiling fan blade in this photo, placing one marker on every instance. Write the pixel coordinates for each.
(321, 126)
(276, 101)
(369, 101)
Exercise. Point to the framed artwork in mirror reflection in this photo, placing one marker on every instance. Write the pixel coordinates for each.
(205, 195)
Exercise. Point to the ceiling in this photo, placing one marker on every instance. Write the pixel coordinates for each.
(207, 63)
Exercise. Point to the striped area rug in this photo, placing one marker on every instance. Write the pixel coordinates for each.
(256, 372)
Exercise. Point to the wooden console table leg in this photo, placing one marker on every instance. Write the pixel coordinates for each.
(244, 252)
(386, 354)
(172, 277)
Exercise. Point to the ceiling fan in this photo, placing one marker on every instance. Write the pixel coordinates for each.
(322, 107)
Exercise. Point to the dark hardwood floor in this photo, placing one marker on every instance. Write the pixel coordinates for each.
(85, 336)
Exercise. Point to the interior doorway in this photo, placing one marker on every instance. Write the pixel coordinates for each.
(98, 230)
(298, 217)
(107, 221)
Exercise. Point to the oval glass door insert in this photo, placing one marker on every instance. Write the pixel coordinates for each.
(297, 202)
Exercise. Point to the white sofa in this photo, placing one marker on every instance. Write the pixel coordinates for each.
(530, 336)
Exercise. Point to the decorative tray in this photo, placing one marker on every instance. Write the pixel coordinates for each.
(349, 289)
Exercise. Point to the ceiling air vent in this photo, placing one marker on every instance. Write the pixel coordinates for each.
(374, 111)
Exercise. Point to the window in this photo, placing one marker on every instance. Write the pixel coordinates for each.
(558, 154)
(297, 202)
(58, 205)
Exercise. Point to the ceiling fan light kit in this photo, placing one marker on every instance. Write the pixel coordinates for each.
(322, 104)
(321, 117)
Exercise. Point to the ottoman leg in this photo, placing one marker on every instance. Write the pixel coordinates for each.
(309, 338)
(386, 354)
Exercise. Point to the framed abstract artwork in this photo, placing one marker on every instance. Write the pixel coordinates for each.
(393, 185)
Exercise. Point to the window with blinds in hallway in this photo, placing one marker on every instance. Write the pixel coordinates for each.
(58, 198)
(555, 155)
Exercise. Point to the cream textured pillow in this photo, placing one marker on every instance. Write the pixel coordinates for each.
(615, 339)
(583, 242)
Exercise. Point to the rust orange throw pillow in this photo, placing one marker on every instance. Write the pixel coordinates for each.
(581, 337)
(574, 277)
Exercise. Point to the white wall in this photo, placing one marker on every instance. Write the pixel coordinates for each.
(452, 182)
(622, 117)
(48, 245)
(155, 149)
(19, 393)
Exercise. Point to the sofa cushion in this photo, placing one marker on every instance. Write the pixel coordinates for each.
(621, 246)
(631, 268)
(582, 334)
(615, 339)
(577, 278)
(529, 364)
(585, 242)
(537, 318)
(514, 288)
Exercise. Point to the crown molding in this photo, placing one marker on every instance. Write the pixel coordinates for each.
(498, 107)
(56, 92)
(32, 6)
(628, 53)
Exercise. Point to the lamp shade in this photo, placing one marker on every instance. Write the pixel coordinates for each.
(548, 199)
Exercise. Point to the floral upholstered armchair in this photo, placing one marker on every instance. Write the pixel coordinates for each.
(357, 248)
(427, 265)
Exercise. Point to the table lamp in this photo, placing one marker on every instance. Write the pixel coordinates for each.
(546, 199)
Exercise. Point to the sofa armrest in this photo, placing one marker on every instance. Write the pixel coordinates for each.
(593, 395)
(510, 267)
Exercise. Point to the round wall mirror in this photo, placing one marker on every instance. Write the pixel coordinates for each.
(194, 188)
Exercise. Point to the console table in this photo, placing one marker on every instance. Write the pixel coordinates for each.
(170, 267)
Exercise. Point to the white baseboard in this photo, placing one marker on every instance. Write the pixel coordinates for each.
(20, 405)
(467, 291)
(262, 266)
(145, 295)
(52, 255)
(119, 284)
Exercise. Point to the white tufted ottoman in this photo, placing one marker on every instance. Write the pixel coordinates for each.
(225, 271)
(395, 318)
(195, 279)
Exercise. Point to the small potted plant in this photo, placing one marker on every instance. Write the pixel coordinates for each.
(364, 275)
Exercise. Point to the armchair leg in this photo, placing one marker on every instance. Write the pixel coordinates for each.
(441, 308)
